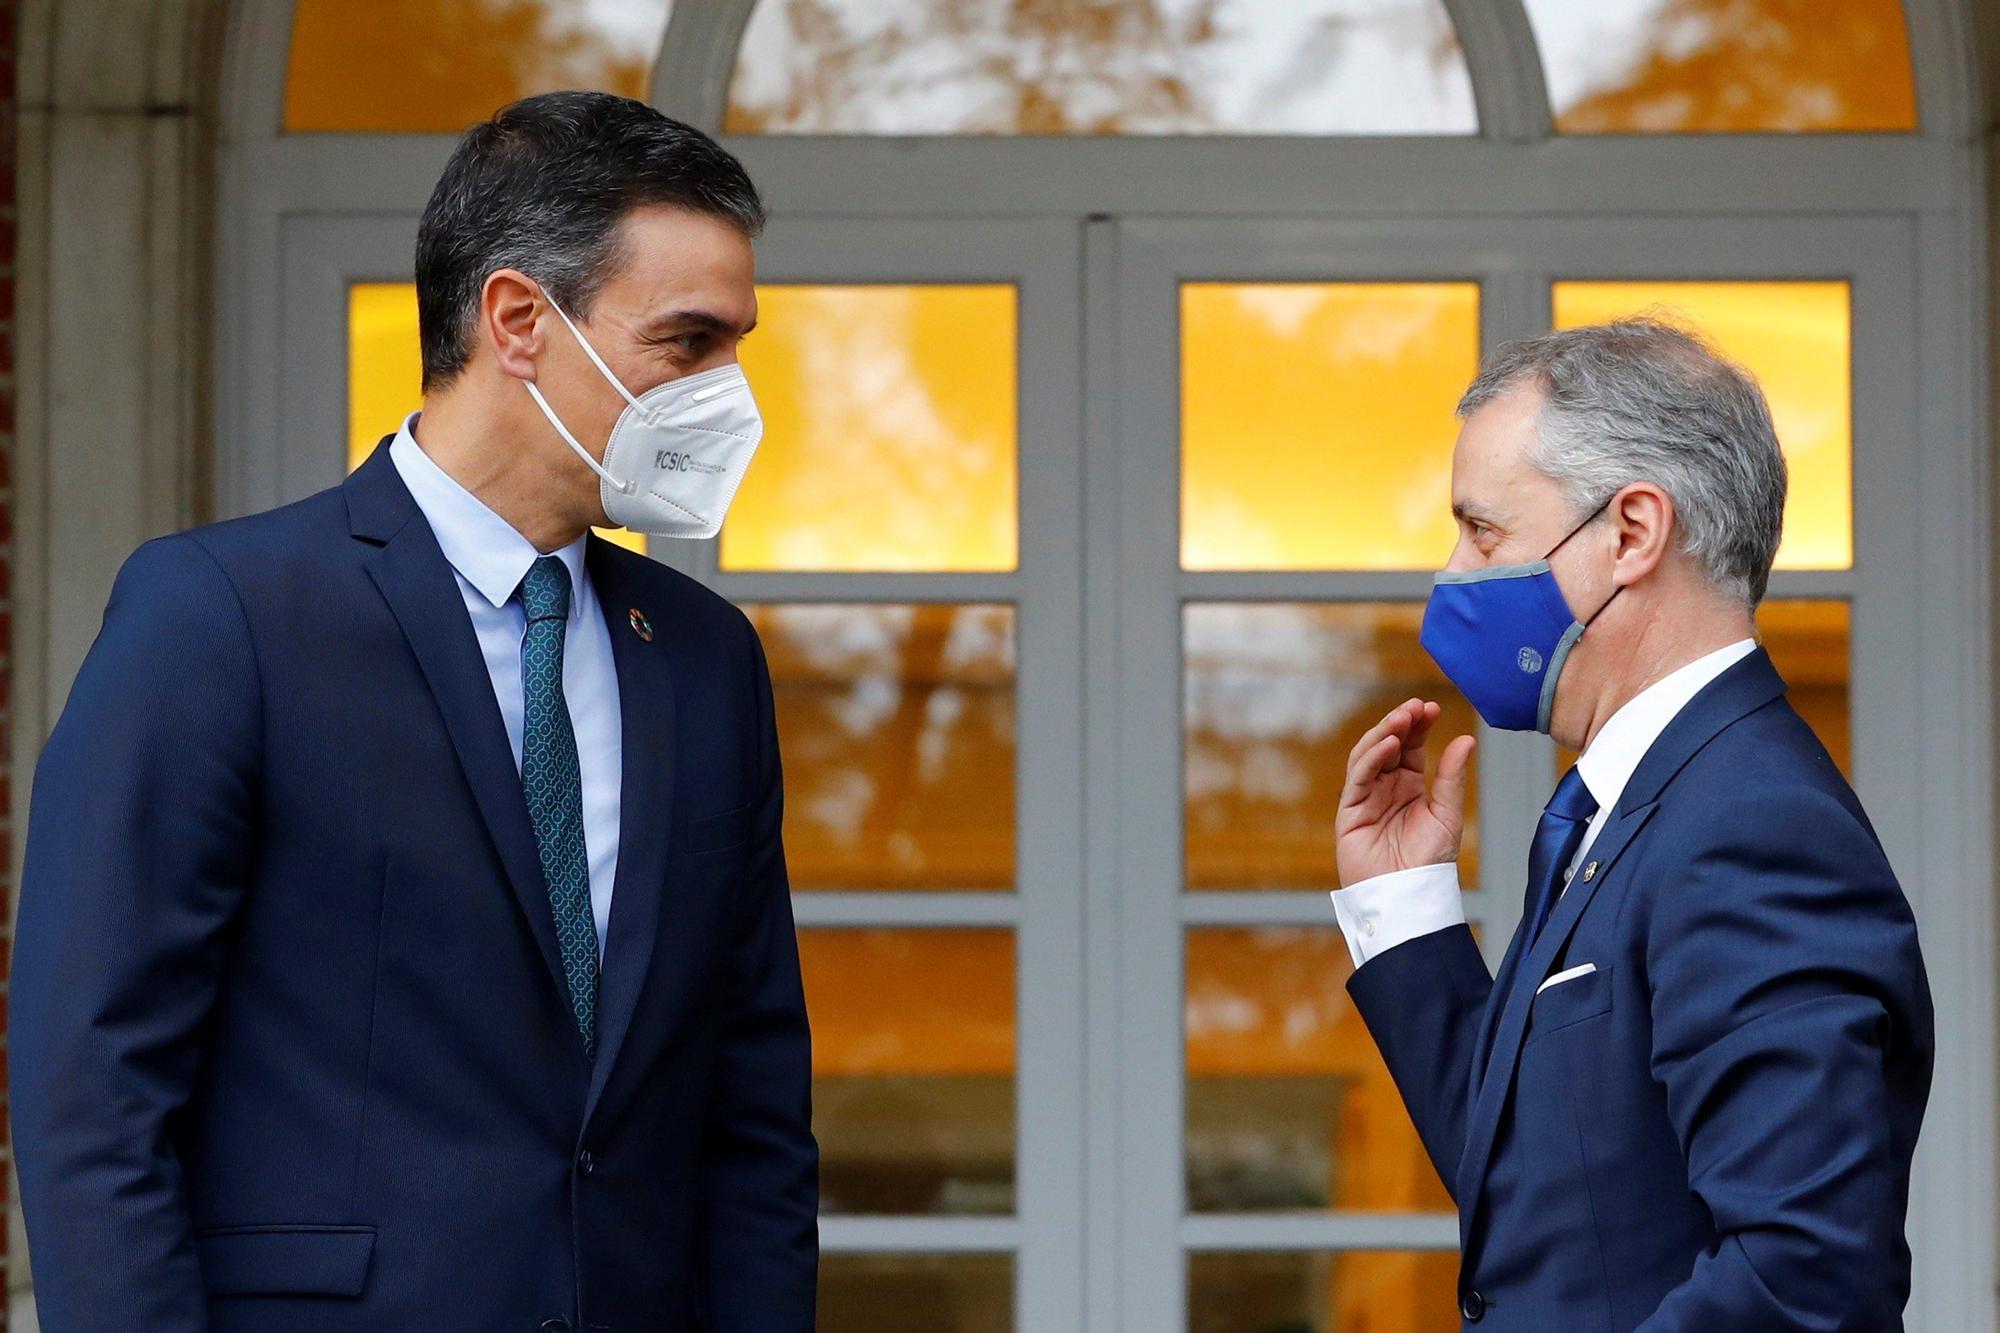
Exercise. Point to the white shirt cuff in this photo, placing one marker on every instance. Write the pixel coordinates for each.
(1378, 914)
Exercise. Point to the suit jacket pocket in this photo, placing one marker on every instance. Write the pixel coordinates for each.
(719, 831)
(285, 1260)
(1570, 1003)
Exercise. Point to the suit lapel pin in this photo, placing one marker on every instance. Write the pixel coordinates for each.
(1589, 871)
(640, 625)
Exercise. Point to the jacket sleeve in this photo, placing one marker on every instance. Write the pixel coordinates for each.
(137, 857)
(1422, 1002)
(1793, 1033)
(762, 1164)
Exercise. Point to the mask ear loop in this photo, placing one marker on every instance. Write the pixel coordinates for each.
(1545, 707)
(622, 487)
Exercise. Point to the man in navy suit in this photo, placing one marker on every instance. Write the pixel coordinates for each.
(1690, 1098)
(405, 940)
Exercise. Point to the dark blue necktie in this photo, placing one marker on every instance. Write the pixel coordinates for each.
(1564, 821)
(553, 783)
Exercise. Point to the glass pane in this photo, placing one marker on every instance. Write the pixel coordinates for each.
(1140, 67)
(1661, 66)
(913, 1068)
(896, 723)
(889, 431)
(916, 1293)
(437, 66)
(385, 371)
(1795, 337)
(1359, 1291)
(385, 365)
(1317, 422)
(1274, 697)
(1809, 643)
(1289, 1105)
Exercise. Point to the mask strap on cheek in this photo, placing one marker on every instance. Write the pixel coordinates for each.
(622, 487)
(591, 352)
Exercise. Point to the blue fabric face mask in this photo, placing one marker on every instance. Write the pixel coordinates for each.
(1502, 636)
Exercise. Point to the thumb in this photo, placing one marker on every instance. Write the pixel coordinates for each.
(1453, 771)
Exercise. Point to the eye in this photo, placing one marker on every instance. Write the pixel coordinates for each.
(689, 345)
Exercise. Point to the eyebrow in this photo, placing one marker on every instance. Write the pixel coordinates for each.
(705, 320)
(1466, 512)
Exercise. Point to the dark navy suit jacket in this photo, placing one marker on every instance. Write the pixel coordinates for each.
(292, 1047)
(1713, 1131)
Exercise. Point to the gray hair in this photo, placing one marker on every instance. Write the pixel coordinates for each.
(1644, 400)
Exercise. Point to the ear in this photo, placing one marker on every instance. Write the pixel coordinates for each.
(1642, 518)
(511, 310)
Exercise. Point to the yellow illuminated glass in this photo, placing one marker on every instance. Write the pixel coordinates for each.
(385, 367)
(915, 1293)
(1346, 1291)
(385, 372)
(1288, 1103)
(1275, 695)
(1810, 644)
(1795, 337)
(889, 431)
(1136, 67)
(897, 726)
(1317, 425)
(437, 66)
(1665, 66)
(913, 1068)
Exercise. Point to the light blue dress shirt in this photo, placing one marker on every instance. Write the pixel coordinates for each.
(490, 559)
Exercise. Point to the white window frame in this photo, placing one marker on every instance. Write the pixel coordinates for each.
(1621, 206)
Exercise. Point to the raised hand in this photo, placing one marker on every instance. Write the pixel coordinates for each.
(1387, 821)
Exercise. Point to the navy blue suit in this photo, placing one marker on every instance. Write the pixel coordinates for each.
(292, 1045)
(1713, 1131)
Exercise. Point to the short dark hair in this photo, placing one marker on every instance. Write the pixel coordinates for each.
(542, 187)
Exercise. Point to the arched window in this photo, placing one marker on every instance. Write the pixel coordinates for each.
(1109, 353)
(1680, 66)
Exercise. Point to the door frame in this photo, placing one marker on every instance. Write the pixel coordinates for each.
(1930, 183)
(1515, 262)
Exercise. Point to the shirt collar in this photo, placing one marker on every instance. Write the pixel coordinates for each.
(1614, 756)
(486, 550)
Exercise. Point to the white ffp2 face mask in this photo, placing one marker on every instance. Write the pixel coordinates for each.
(676, 454)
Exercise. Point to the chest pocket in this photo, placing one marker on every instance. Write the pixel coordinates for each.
(1568, 1003)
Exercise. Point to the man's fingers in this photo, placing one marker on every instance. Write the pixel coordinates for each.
(1363, 772)
(1453, 771)
(1422, 720)
(1395, 722)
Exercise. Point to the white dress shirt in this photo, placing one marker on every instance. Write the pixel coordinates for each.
(490, 559)
(1378, 914)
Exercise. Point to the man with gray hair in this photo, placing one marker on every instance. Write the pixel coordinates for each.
(1690, 1098)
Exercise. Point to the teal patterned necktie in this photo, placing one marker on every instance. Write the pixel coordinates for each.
(554, 785)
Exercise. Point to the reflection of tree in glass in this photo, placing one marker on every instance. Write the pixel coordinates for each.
(1275, 696)
(1072, 67)
(1760, 65)
(896, 724)
(445, 64)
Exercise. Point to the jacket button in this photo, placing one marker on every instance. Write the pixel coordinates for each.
(1473, 1307)
(585, 1163)
(555, 1326)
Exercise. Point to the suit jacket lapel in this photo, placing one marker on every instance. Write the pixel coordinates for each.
(645, 802)
(1519, 997)
(1482, 1045)
(417, 582)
